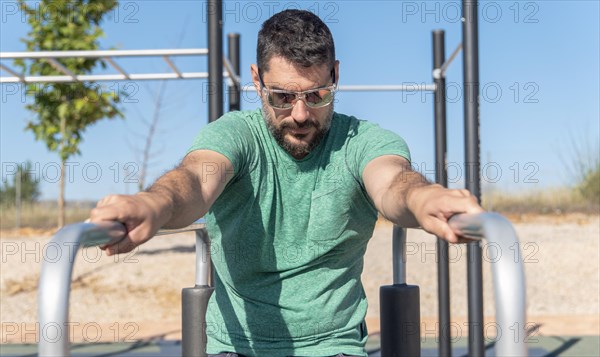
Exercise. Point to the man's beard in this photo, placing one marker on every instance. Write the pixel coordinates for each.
(301, 149)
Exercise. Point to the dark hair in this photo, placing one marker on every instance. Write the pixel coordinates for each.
(299, 36)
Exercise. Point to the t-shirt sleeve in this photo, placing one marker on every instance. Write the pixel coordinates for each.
(229, 136)
(371, 142)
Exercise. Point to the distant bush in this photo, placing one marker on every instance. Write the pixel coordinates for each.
(43, 214)
(23, 184)
(581, 160)
(589, 187)
(543, 201)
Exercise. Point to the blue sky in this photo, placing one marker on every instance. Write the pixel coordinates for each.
(539, 72)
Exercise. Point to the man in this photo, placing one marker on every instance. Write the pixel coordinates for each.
(290, 194)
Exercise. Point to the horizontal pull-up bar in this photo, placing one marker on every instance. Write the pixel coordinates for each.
(109, 56)
(106, 77)
(105, 53)
(391, 87)
(408, 87)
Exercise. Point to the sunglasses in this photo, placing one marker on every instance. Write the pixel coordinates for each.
(314, 98)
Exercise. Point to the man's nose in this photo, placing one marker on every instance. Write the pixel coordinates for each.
(300, 111)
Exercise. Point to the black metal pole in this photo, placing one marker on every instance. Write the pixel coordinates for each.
(441, 177)
(400, 306)
(472, 179)
(215, 59)
(233, 52)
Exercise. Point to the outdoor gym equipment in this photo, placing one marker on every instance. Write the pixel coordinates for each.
(399, 302)
(220, 67)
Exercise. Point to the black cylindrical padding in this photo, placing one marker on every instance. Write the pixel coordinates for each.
(400, 320)
(214, 9)
(233, 53)
(441, 177)
(470, 43)
(194, 302)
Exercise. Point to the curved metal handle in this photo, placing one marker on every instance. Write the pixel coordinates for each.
(55, 281)
(508, 274)
(508, 277)
(55, 278)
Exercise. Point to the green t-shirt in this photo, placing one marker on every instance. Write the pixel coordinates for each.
(288, 238)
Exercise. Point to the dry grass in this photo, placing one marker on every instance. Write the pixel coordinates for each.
(41, 218)
(43, 215)
(553, 201)
(17, 286)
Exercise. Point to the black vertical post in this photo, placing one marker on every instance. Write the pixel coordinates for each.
(215, 59)
(233, 53)
(471, 112)
(441, 177)
(400, 306)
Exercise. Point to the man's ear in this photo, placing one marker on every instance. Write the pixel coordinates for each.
(255, 78)
(336, 68)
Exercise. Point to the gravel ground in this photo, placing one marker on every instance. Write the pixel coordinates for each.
(138, 295)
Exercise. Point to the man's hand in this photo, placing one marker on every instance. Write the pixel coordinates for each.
(142, 214)
(433, 205)
(404, 197)
(175, 200)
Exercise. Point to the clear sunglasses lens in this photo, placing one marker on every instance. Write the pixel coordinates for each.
(314, 99)
(319, 98)
(281, 100)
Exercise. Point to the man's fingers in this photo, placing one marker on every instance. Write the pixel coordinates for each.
(463, 202)
(134, 212)
(433, 206)
(440, 228)
(123, 246)
(108, 200)
(112, 213)
(104, 213)
(446, 232)
(475, 208)
(438, 225)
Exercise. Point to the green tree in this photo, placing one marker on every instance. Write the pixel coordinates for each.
(22, 184)
(65, 110)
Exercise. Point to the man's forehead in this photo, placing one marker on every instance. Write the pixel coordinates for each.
(285, 75)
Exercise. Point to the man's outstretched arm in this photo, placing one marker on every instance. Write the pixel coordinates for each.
(175, 200)
(406, 198)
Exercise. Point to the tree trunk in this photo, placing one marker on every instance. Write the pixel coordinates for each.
(61, 196)
(150, 137)
(18, 181)
(61, 191)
